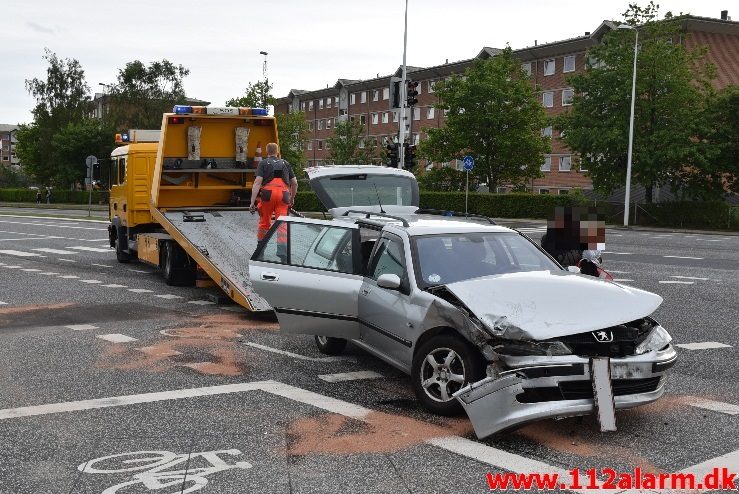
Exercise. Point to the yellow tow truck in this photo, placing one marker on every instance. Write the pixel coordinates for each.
(179, 197)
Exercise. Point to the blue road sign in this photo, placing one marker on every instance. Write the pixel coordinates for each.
(469, 163)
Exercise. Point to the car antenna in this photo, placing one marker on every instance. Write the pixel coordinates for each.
(378, 199)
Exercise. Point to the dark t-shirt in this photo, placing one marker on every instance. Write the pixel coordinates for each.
(272, 168)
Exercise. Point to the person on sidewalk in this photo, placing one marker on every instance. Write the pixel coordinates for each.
(48, 195)
(275, 186)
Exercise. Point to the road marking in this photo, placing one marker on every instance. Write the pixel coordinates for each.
(703, 345)
(116, 338)
(12, 267)
(92, 282)
(48, 273)
(168, 296)
(683, 257)
(81, 327)
(140, 290)
(349, 376)
(139, 271)
(716, 406)
(91, 249)
(101, 265)
(30, 270)
(68, 277)
(72, 221)
(619, 253)
(676, 282)
(55, 251)
(622, 280)
(618, 272)
(201, 302)
(690, 278)
(113, 285)
(730, 461)
(26, 238)
(20, 253)
(295, 355)
(65, 260)
(67, 226)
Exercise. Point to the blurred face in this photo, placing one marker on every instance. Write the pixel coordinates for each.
(593, 234)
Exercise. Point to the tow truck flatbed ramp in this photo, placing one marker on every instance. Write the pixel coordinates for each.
(223, 243)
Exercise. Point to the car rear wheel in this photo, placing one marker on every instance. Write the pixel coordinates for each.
(121, 240)
(329, 345)
(441, 367)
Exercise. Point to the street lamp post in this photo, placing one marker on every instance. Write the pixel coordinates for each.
(403, 95)
(627, 197)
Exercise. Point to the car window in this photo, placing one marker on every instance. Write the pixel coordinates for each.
(388, 259)
(310, 245)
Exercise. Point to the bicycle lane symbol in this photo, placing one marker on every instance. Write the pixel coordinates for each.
(155, 469)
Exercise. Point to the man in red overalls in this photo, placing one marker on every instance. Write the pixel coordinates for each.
(275, 185)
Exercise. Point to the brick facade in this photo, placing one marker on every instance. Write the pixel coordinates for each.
(550, 65)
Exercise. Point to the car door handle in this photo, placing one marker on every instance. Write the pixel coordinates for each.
(270, 277)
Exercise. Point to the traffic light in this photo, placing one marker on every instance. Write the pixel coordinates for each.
(412, 97)
(96, 171)
(410, 156)
(392, 154)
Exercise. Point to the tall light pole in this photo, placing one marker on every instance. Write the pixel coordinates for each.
(264, 65)
(627, 197)
(403, 95)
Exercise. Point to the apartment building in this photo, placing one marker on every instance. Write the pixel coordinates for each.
(7, 145)
(549, 65)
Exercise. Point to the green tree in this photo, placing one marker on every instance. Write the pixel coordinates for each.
(445, 179)
(258, 95)
(143, 93)
(62, 98)
(722, 116)
(75, 142)
(292, 129)
(672, 82)
(494, 115)
(349, 145)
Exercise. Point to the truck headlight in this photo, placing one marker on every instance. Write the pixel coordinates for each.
(657, 339)
(525, 348)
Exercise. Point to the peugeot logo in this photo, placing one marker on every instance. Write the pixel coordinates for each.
(602, 336)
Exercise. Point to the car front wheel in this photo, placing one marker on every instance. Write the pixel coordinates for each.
(441, 367)
(329, 345)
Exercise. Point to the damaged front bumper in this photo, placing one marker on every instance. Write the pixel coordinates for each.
(555, 387)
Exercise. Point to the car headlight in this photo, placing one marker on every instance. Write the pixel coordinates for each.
(657, 339)
(539, 348)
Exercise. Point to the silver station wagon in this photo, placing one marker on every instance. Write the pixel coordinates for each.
(477, 314)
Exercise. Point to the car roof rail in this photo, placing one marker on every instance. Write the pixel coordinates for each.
(384, 215)
(443, 212)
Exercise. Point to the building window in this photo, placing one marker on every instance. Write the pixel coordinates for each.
(353, 99)
(361, 143)
(430, 86)
(395, 116)
(328, 102)
(430, 113)
(336, 101)
(583, 166)
(385, 117)
(302, 106)
(321, 124)
(310, 105)
(328, 123)
(363, 97)
(320, 104)
(546, 132)
(547, 165)
(385, 93)
(310, 145)
(310, 125)
(320, 145)
(416, 113)
(564, 192)
(375, 95)
(543, 191)
(565, 163)
(567, 96)
(549, 66)
(569, 63)
(526, 67)
(363, 119)
(548, 99)
(374, 118)
(416, 139)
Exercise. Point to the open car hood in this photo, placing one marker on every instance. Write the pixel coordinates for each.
(366, 188)
(539, 305)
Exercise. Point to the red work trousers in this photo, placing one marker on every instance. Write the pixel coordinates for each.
(274, 199)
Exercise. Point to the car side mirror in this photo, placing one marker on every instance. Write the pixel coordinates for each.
(389, 281)
(573, 269)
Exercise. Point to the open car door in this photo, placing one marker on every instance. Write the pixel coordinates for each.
(367, 188)
(309, 272)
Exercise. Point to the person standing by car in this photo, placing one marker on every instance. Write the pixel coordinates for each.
(48, 195)
(275, 185)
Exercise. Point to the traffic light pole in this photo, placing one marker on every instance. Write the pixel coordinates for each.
(402, 116)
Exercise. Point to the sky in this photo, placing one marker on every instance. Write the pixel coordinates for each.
(310, 43)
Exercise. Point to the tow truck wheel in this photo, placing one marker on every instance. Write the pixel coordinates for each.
(441, 367)
(168, 264)
(121, 239)
(329, 345)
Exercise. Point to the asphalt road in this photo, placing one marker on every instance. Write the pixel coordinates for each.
(112, 381)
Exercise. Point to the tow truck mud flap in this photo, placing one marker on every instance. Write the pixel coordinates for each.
(600, 377)
(490, 402)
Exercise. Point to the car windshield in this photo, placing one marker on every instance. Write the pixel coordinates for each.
(447, 258)
(364, 189)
